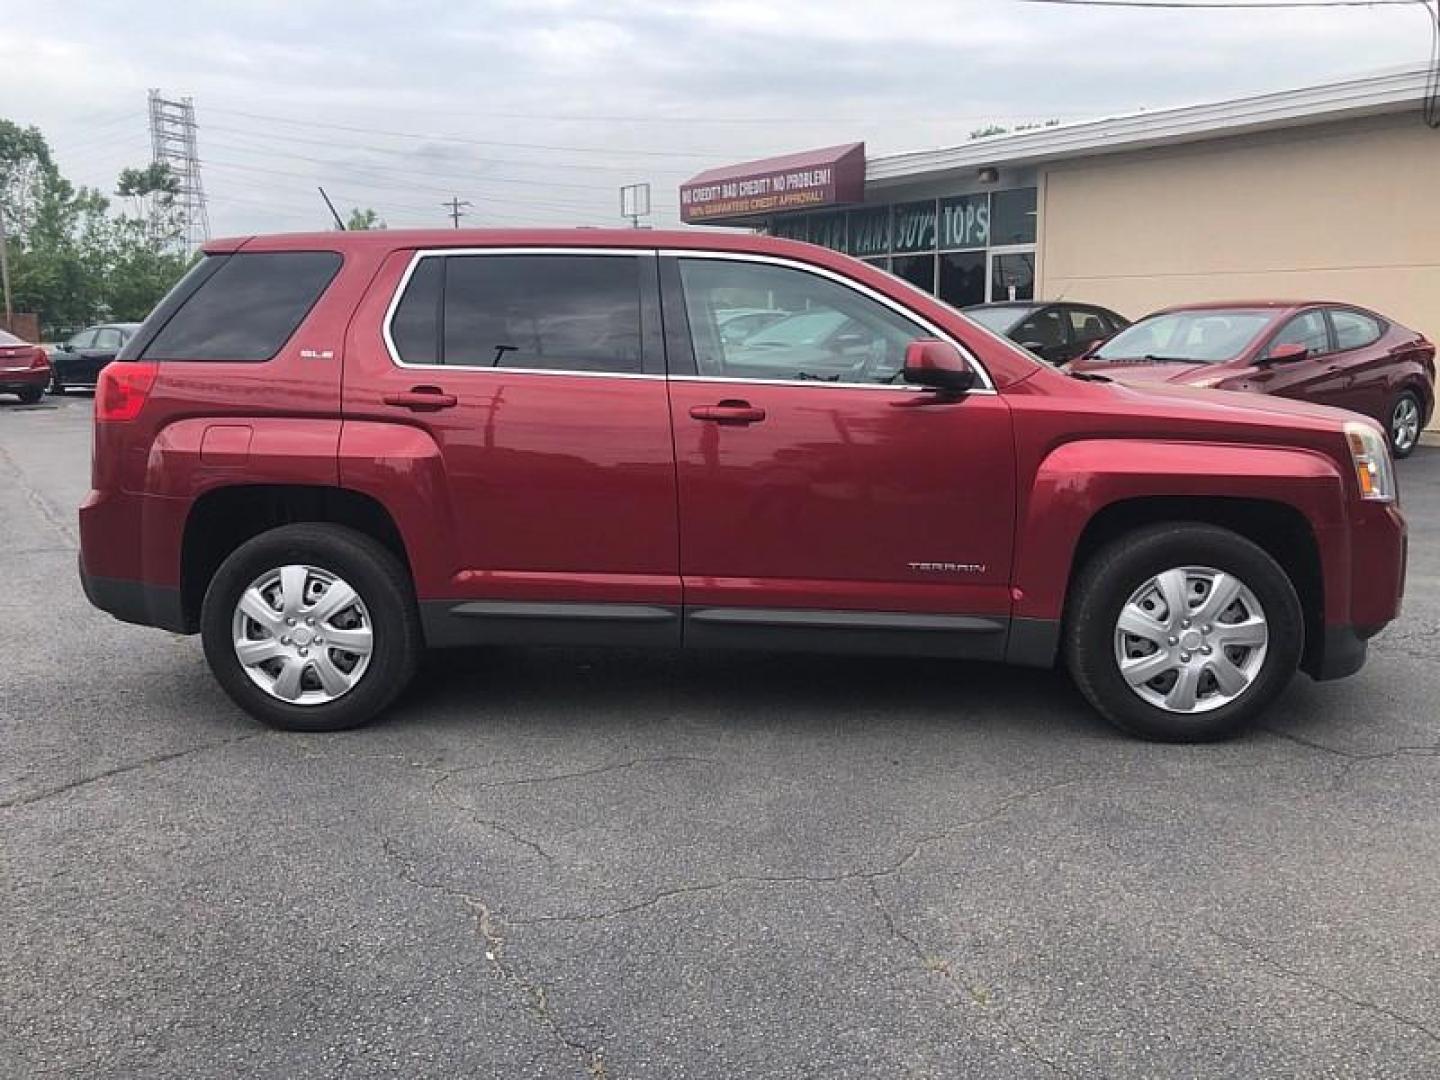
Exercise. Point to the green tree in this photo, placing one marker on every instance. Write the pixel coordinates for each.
(364, 219)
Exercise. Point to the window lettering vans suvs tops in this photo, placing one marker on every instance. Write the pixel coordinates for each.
(327, 452)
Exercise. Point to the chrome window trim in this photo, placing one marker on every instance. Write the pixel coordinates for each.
(988, 386)
(846, 282)
(430, 253)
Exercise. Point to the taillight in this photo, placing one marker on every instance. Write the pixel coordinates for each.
(39, 360)
(122, 390)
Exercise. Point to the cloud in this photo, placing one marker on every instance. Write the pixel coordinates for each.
(643, 90)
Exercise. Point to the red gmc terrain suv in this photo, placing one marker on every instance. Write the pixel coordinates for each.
(327, 452)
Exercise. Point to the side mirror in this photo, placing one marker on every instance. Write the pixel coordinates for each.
(1038, 348)
(938, 365)
(1287, 353)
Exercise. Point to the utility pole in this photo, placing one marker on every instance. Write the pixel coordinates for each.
(172, 143)
(455, 212)
(5, 271)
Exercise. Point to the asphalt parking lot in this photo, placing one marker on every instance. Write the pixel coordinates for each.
(556, 863)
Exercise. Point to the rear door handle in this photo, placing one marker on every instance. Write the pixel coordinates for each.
(729, 412)
(422, 399)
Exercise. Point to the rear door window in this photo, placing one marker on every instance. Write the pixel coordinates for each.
(1354, 330)
(547, 312)
(247, 308)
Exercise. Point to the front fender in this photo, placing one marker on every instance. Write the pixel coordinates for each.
(1078, 480)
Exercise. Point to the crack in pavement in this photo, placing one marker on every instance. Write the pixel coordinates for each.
(533, 994)
(1309, 980)
(121, 770)
(965, 987)
(1002, 808)
(48, 511)
(1354, 758)
(438, 789)
(473, 814)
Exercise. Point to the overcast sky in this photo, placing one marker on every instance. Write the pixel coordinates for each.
(537, 111)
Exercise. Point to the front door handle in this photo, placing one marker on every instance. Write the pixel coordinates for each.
(729, 412)
(422, 399)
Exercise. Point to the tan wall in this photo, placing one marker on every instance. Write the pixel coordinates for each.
(1345, 212)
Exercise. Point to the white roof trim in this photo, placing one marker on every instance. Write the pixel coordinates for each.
(1392, 91)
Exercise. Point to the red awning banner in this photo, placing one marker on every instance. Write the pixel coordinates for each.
(826, 177)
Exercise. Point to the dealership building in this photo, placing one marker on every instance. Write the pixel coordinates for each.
(1329, 192)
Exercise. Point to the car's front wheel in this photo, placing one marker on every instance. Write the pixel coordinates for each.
(311, 627)
(1183, 632)
(1407, 417)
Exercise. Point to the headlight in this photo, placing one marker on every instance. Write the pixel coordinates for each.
(1373, 470)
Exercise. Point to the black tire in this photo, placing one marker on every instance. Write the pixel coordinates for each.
(382, 584)
(31, 394)
(1400, 449)
(1111, 577)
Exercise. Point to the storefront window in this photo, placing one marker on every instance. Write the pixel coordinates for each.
(965, 221)
(828, 230)
(916, 269)
(962, 278)
(790, 228)
(945, 246)
(1012, 277)
(1012, 217)
(915, 226)
(870, 232)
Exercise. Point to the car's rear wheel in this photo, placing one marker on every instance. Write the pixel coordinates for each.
(30, 395)
(311, 627)
(1183, 632)
(1407, 417)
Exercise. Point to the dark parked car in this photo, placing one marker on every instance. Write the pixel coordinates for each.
(1329, 354)
(78, 361)
(325, 452)
(1055, 332)
(24, 368)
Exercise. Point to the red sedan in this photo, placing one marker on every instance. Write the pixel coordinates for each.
(1329, 354)
(24, 368)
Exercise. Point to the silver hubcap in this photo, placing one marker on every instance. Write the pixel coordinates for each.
(302, 635)
(1405, 424)
(1191, 639)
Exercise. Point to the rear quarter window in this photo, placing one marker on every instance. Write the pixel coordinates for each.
(246, 308)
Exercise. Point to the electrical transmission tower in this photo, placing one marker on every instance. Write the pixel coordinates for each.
(172, 142)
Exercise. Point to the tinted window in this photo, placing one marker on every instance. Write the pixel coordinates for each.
(830, 333)
(416, 326)
(1354, 330)
(1045, 329)
(82, 340)
(1014, 278)
(9, 339)
(1306, 330)
(1087, 326)
(962, 278)
(1012, 217)
(248, 308)
(561, 312)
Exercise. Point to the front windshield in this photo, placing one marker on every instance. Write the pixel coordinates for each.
(999, 319)
(807, 328)
(1207, 336)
